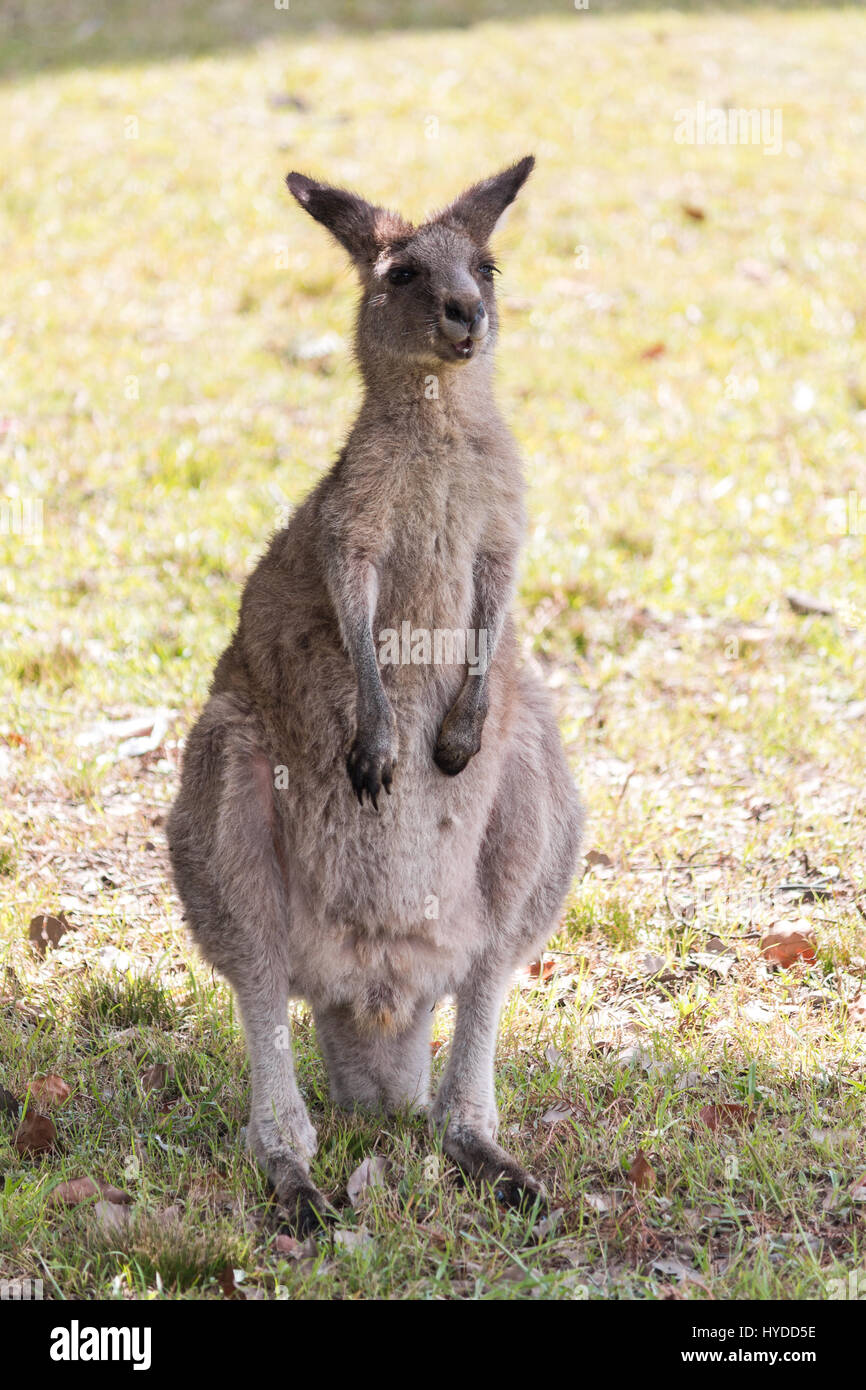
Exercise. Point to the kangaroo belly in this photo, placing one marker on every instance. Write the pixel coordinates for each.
(385, 906)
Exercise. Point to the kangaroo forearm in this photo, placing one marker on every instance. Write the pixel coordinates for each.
(354, 589)
(493, 588)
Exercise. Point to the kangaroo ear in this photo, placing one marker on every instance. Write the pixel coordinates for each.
(481, 206)
(362, 229)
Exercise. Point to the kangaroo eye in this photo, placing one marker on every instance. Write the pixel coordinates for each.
(488, 270)
(401, 275)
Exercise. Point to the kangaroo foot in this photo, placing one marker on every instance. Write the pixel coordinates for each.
(482, 1158)
(303, 1211)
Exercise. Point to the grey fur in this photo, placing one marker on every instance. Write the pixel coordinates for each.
(372, 915)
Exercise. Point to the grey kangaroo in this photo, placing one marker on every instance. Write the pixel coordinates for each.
(298, 876)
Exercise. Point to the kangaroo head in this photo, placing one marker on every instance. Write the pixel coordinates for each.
(427, 291)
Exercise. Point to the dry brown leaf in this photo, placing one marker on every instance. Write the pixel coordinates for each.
(654, 350)
(641, 1174)
(294, 1249)
(45, 931)
(596, 857)
(156, 1076)
(111, 1218)
(226, 1280)
(35, 1134)
(9, 1104)
(70, 1194)
(50, 1090)
(786, 944)
(727, 1115)
(541, 970)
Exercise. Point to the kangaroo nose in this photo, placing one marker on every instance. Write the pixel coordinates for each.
(466, 319)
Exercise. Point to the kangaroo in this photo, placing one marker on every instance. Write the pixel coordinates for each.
(358, 826)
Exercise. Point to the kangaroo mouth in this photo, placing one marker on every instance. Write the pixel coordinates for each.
(464, 349)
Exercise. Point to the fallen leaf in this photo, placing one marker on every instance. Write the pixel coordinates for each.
(858, 1189)
(835, 1140)
(9, 1104)
(353, 1239)
(111, 1218)
(228, 1284)
(35, 1134)
(600, 1202)
(650, 964)
(714, 962)
(641, 1174)
(785, 945)
(674, 1267)
(120, 730)
(46, 931)
(156, 1076)
(548, 1224)
(595, 856)
(653, 351)
(541, 970)
(806, 604)
(727, 1115)
(76, 1190)
(757, 1012)
(50, 1090)
(632, 1055)
(556, 1114)
(553, 1055)
(369, 1174)
(147, 743)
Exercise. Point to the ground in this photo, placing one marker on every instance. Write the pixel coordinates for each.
(682, 362)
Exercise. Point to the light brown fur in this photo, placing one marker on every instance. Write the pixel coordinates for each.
(452, 869)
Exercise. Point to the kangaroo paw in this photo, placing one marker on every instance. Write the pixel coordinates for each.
(482, 1158)
(371, 763)
(303, 1211)
(459, 740)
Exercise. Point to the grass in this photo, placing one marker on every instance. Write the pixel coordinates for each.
(682, 362)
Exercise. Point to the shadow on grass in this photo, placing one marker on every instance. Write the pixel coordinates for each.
(93, 33)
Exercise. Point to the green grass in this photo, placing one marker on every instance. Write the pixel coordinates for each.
(160, 288)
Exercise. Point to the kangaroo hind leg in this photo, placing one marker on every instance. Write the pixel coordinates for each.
(233, 878)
